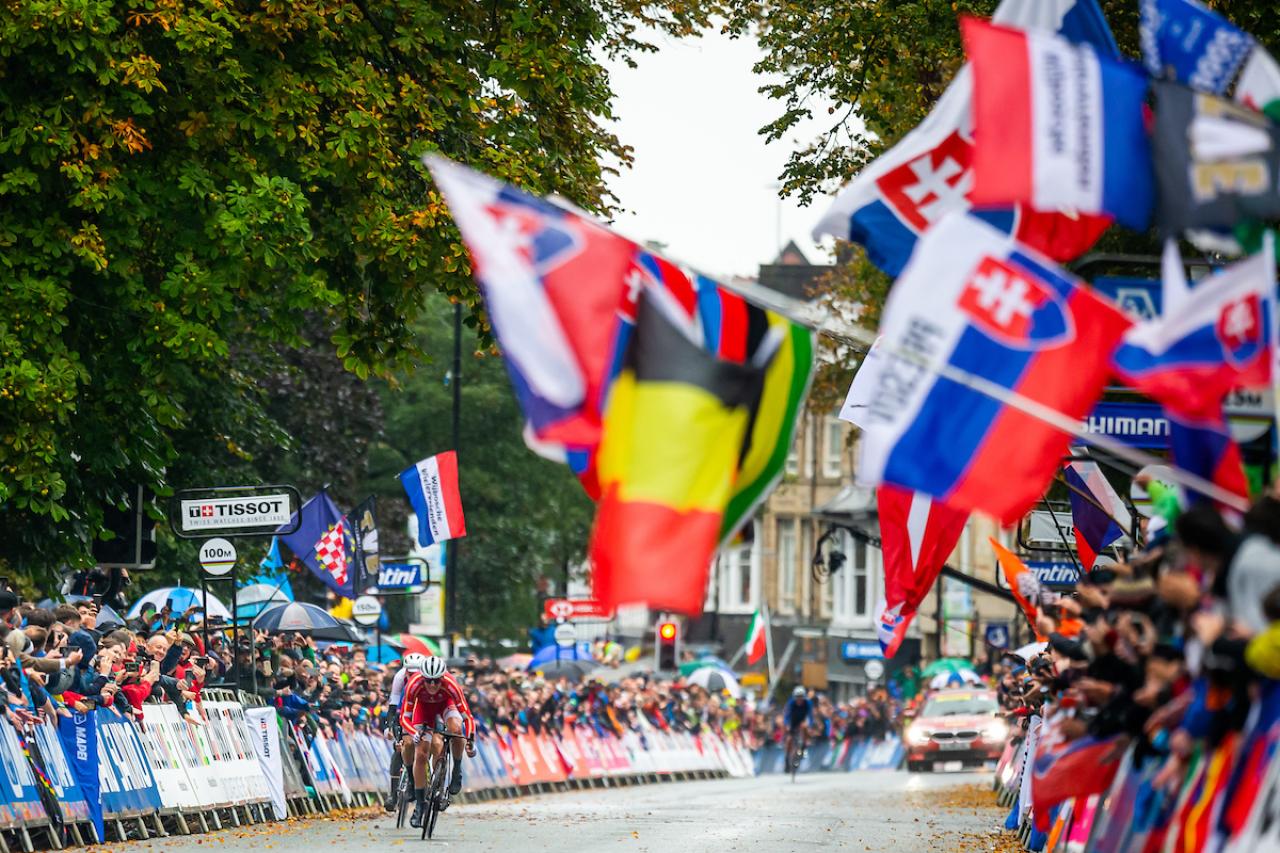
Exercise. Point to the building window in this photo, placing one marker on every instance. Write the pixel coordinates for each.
(851, 591)
(740, 570)
(787, 564)
(833, 448)
(806, 576)
(793, 456)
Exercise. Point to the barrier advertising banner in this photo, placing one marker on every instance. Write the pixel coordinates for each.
(264, 734)
(127, 785)
(66, 788)
(79, 735)
(19, 797)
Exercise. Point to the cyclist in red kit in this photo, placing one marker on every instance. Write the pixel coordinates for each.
(432, 697)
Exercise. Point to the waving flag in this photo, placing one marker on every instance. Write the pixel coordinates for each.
(972, 299)
(917, 535)
(531, 258)
(927, 174)
(1098, 514)
(1024, 585)
(1057, 126)
(673, 432)
(323, 543)
(1186, 41)
(1204, 446)
(1063, 769)
(432, 488)
(1221, 336)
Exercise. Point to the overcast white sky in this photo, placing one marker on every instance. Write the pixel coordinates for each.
(704, 181)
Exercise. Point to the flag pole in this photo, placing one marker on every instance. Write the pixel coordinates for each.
(768, 644)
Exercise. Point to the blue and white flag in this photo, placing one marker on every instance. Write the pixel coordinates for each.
(79, 735)
(1185, 41)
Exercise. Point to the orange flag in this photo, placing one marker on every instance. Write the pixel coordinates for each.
(1022, 582)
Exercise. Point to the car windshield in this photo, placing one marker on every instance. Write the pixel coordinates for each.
(949, 706)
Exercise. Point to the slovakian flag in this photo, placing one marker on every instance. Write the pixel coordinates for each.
(917, 534)
(757, 643)
(531, 258)
(1066, 769)
(1098, 514)
(1057, 126)
(324, 543)
(972, 299)
(674, 429)
(432, 488)
(928, 174)
(1220, 336)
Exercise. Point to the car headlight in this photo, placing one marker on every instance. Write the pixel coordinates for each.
(917, 735)
(995, 730)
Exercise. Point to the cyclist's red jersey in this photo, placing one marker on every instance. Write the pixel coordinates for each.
(419, 708)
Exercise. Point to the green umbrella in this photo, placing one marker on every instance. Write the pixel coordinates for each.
(946, 665)
(691, 666)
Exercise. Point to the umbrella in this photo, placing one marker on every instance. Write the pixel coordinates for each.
(581, 652)
(1030, 650)
(945, 665)
(255, 598)
(383, 654)
(690, 666)
(295, 617)
(108, 619)
(182, 598)
(713, 679)
(958, 679)
(412, 643)
(574, 670)
(516, 661)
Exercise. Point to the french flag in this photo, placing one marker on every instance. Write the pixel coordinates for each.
(432, 488)
(917, 534)
(1218, 336)
(1097, 512)
(973, 299)
(927, 174)
(1056, 126)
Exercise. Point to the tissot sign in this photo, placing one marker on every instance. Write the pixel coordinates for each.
(221, 513)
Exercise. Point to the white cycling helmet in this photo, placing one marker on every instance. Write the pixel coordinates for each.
(799, 693)
(434, 667)
(413, 661)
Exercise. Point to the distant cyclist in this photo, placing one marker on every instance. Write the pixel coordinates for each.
(797, 714)
(435, 696)
(412, 664)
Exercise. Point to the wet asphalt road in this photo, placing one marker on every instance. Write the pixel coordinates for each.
(865, 811)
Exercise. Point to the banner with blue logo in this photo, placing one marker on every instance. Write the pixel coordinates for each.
(399, 575)
(127, 784)
(21, 798)
(79, 735)
(1141, 425)
(1054, 574)
(66, 786)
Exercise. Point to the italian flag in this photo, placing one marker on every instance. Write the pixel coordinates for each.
(756, 640)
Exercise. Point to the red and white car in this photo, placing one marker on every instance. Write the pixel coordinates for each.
(955, 729)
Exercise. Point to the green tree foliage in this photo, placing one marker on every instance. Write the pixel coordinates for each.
(187, 187)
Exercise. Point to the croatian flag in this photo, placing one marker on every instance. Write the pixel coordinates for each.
(557, 337)
(974, 300)
(1097, 512)
(432, 488)
(917, 535)
(1057, 126)
(1218, 337)
(927, 174)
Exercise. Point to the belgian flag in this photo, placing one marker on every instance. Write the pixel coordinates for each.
(672, 442)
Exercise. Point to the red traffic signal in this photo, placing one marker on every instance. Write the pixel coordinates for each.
(667, 630)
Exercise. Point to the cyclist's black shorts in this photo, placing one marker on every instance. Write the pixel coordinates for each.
(794, 726)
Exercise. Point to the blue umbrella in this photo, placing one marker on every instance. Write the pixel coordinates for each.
(297, 617)
(255, 598)
(581, 651)
(384, 654)
(182, 598)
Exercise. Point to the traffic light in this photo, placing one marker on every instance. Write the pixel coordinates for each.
(134, 545)
(668, 646)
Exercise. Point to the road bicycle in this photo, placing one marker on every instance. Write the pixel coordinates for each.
(438, 796)
(404, 794)
(796, 742)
